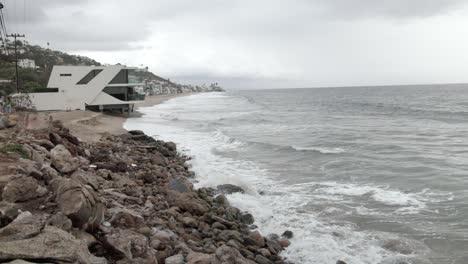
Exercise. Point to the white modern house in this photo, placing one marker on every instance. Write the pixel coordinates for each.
(27, 64)
(96, 88)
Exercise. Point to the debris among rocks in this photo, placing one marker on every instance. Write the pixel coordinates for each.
(123, 199)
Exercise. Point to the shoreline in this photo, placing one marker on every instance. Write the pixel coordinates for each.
(90, 126)
(124, 198)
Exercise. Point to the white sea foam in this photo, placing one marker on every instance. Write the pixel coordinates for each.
(323, 150)
(315, 240)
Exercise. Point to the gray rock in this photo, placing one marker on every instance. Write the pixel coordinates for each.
(287, 234)
(32, 154)
(79, 203)
(218, 225)
(4, 122)
(136, 132)
(59, 220)
(227, 235)
(85, 178)
(256, 239)
(158, 159)
(226, 254)
(180, 185)
(199, 258)
(247, 219)
(189, 221)
(222, 200)
(340, 262)
(176, 259)
(53, 245)
(126, 218)
(229, 188)
(22, 189)
(63, 160)
(24, 226)
(55, 139)
(262, 260)
(127, 243)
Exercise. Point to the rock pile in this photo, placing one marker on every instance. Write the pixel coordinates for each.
(124, 199)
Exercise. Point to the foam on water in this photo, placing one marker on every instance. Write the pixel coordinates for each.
(323, 150)
(316, 240)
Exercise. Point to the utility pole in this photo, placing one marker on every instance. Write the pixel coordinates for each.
(15, 36)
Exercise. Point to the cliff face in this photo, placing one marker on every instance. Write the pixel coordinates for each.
(123, 199)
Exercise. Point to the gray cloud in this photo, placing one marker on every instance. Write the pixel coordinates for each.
(260, 42)
(389, 8)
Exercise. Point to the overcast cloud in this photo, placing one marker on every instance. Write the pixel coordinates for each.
(260, 43)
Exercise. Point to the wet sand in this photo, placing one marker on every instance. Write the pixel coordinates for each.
(90, 126)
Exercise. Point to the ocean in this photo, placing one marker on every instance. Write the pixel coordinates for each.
(374, 175)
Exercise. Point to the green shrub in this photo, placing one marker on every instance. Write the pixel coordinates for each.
(14, 148)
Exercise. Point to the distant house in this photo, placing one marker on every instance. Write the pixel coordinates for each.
(88, 87)
(27, 64)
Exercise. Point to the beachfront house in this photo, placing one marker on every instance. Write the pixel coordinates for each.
(95, 88)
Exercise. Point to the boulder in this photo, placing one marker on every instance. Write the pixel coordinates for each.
(171, 146)
(79, 203)
(59, 220)
(229, 189)
(127, 243)
(5, 179)
(31, 168)
(179, 185)
(62, 159)
(44, 143)
(284, 242)
(22, 189)
(199, 258)
(126, 218)
(4, 122)
(52, 245)
(32, 154)
(48, 173)
(24, 226)
(247, 219)
(274, 246)
(190, 203)
(189, 221)
(8, 212)
(262, 260)
(222, 200)
(55, 139)
(85, 178)
(136, 132)
(255, 239)
(287, 234)
(176, 259)
(158, 159)
(226, 254)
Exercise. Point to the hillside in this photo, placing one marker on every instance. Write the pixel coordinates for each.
(34, 78)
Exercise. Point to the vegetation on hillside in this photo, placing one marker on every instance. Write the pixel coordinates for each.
(33, 79)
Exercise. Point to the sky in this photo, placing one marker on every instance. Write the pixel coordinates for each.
(245, 44)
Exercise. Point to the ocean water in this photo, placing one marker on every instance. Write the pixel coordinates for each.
(365, 174)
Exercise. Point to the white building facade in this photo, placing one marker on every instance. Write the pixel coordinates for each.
(27, 64)
(88, 87)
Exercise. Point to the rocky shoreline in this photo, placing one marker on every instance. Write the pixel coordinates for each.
(123, 199)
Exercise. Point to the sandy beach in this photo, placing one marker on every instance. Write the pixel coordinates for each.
(90, 126)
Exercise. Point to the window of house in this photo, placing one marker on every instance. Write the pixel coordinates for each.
(89, 76)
